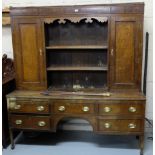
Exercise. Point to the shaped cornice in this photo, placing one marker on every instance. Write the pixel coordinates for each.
(75, 19)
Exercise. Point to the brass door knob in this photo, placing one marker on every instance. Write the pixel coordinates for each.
(107, 125)
(61, 108)
(85, 109)
(107, 109)
(40, 108)
(18, 122)
(132, 109)
(17, 106)
(41, 123)
(132, 126)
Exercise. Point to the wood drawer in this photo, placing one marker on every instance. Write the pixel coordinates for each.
(30, 122)
(73, 108)
(28, 106)
(121, 108)
(119, 125)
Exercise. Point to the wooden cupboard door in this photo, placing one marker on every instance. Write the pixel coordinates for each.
(28, 54)
(126, 52)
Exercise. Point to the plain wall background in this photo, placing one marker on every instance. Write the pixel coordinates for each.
(148, 27)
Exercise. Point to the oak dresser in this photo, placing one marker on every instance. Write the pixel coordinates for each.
(78, 62)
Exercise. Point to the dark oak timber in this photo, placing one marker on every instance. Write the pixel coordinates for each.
(78, 62)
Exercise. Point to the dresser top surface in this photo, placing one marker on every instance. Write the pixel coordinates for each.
(130, 95)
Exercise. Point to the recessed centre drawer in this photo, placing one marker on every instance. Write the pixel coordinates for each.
(119, 125)
(30, 122)
(28, 106)
(123, 108)
(73, 108)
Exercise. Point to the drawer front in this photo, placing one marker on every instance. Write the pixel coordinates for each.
(109, 125)
(30, 106)
(73, 108)
(121, 109)
(30, 122)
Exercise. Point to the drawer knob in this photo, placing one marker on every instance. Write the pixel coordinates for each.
(107, 109)
(40, 108)
(18, 122)
(61, 108)
(85, 109)
(107, 125)
(18, 106)
(132, 126)
(132, 109)
(41, 123)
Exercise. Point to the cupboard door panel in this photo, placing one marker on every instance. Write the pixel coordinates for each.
(124, 52)
(28, 53)
(125, 56)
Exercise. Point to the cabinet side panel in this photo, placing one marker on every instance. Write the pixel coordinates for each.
(29, 53)
(124, 52)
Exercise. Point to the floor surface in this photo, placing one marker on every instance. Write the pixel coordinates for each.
(77, 143)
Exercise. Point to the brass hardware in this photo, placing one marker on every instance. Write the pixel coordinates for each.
(76, 10)
(132, 109)
(18, 122)
(17, 106)
(40, 51)
(112, 52)
(106, 94)
(132, 126)
(40, 108)
(77, 87)
(11, 102)
(11, 105)
(107, 109)
(61, 108)
(107, 125)
(85, 109)
(41, 123)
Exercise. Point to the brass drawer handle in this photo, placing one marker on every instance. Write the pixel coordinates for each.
(107, 125)
(40, 108)
(61, 108)
(132, 109)
(18, 122)
(41, 123)
(107, 109)
(85, 109)
(17, 106)
(132, 126)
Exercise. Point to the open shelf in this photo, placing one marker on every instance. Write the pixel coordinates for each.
(77, 47)
(77, 68)
(76, 54)
(82, 79)
(76, 59)
(76, 35)
(72, 91)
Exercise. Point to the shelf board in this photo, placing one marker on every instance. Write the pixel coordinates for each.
(77, 47)
(77, 68)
